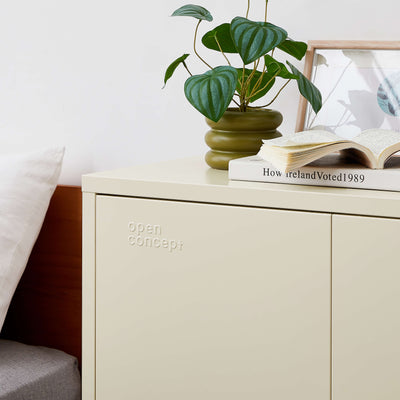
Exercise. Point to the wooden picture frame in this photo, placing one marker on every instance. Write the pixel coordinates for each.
(389, 50)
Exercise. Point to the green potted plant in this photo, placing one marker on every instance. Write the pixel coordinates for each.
(238, 131)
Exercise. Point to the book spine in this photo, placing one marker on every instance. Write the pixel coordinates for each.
(382, 179)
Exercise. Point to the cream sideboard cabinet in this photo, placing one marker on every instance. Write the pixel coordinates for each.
(201, 288)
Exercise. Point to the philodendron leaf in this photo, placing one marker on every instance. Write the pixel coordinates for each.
(222, 34)
(211, 92)
(172, 67)
(307, 89)
(295, 49)
(277, 68)
(191, 10)
(267, 81)
(255, 39)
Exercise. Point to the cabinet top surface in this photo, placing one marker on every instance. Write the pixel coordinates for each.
(192, 180)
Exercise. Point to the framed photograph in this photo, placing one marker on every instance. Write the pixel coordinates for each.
(359, 83)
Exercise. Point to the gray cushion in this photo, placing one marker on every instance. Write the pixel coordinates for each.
(37, 373)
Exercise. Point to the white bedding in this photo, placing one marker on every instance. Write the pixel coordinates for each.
(27, 182)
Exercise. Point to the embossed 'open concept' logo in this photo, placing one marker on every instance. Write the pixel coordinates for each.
(150, 236)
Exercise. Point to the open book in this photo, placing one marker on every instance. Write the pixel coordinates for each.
(371, 148)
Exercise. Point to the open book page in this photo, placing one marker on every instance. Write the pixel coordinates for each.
(371, 148)
(305, 139)
(295, 150)
(383, 143)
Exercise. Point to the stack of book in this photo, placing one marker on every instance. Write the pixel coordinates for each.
(321, 158)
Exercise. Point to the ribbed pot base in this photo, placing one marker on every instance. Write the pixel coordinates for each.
(220, 159)
(239, 134)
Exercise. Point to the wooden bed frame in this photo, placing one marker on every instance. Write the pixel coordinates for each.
(46, 307)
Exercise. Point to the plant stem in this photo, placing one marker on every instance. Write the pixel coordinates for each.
(265, 86)
(259, 80)
(250, 77)
(236, 102)
(266, 6)
(242, 96)
(220, 49)
(280, 90)
(266, 105)
(187, 69)
(248, 80)
(243, 75)
(194, 45)
(258, 83)
(248, 8)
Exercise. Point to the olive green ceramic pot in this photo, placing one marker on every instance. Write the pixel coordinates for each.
(239, 134)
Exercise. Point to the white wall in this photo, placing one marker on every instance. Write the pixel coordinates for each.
(88, 74)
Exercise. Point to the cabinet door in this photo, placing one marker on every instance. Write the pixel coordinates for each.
(366, 301)
(197, 301)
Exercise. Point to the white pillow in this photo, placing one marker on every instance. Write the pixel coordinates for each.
(27, 182)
